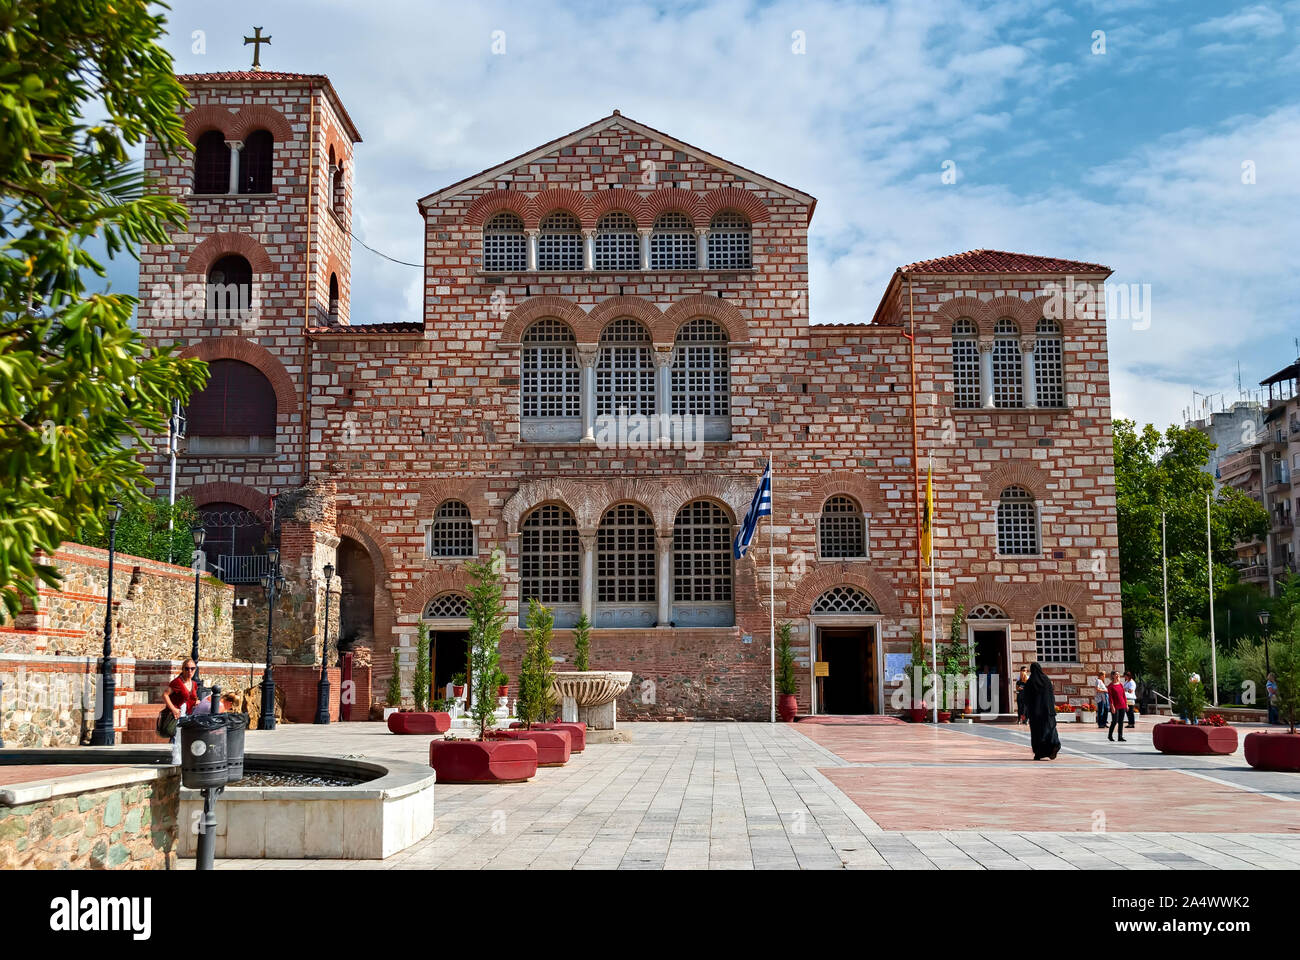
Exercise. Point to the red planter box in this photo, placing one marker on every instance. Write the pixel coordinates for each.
(917, 714)
(1273, 751)
(553, 746)
(1193, 739)
(413, 722)
(577, 731)
(477, 761)
(787, 707)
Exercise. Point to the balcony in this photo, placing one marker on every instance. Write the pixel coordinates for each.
(1253, 572)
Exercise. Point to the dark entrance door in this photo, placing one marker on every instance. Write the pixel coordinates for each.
(448, 650)
(991, 668)
(850, 684)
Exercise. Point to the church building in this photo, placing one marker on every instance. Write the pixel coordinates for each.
(614, 339)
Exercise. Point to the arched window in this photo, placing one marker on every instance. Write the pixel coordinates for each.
(729, 242)
(452, 532)
(229, 291)
(1049, 364)
(505, 246)
(1017, 522)
(257, 162)
(1007, 370)
(559, 243)
(844, 599)
(625, 371)
(549, 383)
(843, 528)
(212, 163)
(548, 562)
(233, 537)
(965, 365)
(701, 370)
(1057, 635)
(616, 243)
(702, 566)
(334, 298)
(449, 606)
(672, 243)
(625, 568)
(337, 188)
(986, 611)
(234, 413)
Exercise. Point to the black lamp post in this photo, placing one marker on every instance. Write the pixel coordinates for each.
(1263, 622)
(102, 735)
(198, 534)
(323, 687)
(272, 582)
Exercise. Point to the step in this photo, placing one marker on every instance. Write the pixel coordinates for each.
(140, 736)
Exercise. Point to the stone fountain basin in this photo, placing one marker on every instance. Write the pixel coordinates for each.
(591, 688)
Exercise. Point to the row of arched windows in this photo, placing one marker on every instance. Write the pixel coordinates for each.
(1000, 380)
(213, 159)
(616, 243)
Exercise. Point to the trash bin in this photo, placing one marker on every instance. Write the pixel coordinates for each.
(203, 751)
(236, 724)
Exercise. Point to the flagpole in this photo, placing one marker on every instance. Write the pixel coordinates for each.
(1164, 577)
(771, 573)
(934, 621)
(916, 472)
(1209, 557)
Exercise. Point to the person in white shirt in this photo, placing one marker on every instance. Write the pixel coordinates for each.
(1131, 692)
(1102, 697)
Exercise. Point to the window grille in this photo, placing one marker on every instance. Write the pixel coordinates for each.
(548, 556)
(549, 380)
(625, 556)
(701, 553)
(844, 599)
(965, 365)
(617, 243)
(450, 606)
(842, 529)
(625, 370)
(505, 246)
(672, 243)
(1017, 523)
(452, 532)
(1057, 635)
(1007, 370)
(729, 242)
(701, 370)
(986, 611)
(212, 163)
(559, 244)
(1049, 364)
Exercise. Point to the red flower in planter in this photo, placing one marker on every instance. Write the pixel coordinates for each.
(1213, 720)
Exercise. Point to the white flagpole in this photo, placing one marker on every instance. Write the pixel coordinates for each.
(1214, 660)
(771, 573)
(1164, 577)
(934, 622)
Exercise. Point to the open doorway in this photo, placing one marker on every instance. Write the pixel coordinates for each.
(850, 683)
(989, 656)
(448, 653)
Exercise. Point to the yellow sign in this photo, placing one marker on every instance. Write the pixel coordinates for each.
(821, 668)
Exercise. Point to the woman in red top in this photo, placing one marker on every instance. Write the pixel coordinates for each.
(1118, 706)
(182, 691)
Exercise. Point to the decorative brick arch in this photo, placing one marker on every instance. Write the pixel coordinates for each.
(433, 493)
(674, 200)
(603, 313)
(1074, 595)
(576, 497)
(237, 348)
(258, 116)
(827, 576)
(558, 198)
(733, 198)
(733, 495)
(703, 305)
(210, 116)
(535, 308)
(448, 580)
(1018, 310)
(850, 484)
(217, 245)
(1018, 472)
(644, 493)
(1009, 597)
(350, 524)
(602, 202)
(240, 494)
(953, 310)
(494, 201)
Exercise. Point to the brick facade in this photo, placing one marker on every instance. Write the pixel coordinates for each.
(402, 416)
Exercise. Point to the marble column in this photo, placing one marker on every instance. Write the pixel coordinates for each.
(587, 365)
(1028, 375)
(663, 359)
(233, 182)
(645, 247)
(664, 581)
(589, 249)
(587, 585)
(701, 248)
(986, 374)
(532, 250)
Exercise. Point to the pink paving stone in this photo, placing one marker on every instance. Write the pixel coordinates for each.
(30, 773)
(917, 743)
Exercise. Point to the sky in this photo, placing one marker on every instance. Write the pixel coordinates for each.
(1159, 138)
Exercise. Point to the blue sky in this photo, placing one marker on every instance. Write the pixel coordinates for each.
(1132, 156)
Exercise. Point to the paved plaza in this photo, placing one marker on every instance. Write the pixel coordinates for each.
(838, 796)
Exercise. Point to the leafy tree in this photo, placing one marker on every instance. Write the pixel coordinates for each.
(142, 530)
(487, 619)
(1286, 670)
(77, 384)
(536, 702)
(421, 680)
(956, 658)
(786, 682)
(582, 643)
(395, 681)
(1188, 654)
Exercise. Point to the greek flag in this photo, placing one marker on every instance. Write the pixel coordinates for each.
(761, 506)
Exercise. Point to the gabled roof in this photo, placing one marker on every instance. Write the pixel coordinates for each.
(1000, 261)
(275, 76)
(614, 119)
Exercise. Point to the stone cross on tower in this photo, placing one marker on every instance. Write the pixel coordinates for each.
(257, 40)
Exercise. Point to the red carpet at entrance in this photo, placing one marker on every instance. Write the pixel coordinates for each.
(865, 720)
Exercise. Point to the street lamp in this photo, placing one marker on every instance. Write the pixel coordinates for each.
(198, 534)
(102, 735)
(323, 687)
(1263, 622)
(271, 582)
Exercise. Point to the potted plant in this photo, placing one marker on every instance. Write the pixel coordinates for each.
(484, 760)
(582, 643)
(503, 684)
(425, 718)
(394, 696)
(1185, 735)
(458, 685)
(955, 667)
(535, 705)
(1281, 751)
(787, 704)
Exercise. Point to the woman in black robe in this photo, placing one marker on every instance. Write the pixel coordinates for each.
(1040, 707)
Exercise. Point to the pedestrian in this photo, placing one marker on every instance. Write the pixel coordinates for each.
(1040, 709)
(1020, 695)
(1270, 692)
(1131, 694)
(1118, 706)
(1102, 698)
(181, 697)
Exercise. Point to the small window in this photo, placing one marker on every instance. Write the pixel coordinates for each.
(452, 531)
(505, 246)
(449, 606)
(625, 371)
(701, 370)
(334, 298)
(1057, 635)
(986, 611)
(843, 529)
(1049, 365)
(965, 365)
(212, 163)
(1017, 523)
(729, 242)
(338, 190)
(672, 243)
(1008, 384)
(229, 290)
(844, 599)
(559, 243)
(617, 246)
(257, 162)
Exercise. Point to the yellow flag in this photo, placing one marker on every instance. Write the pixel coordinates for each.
(927, 522)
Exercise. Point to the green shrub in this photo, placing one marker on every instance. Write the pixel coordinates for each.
(536, 702)
(581, 643)
(395, 681)
(487, 619)
(786, 683)
(421, 680)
